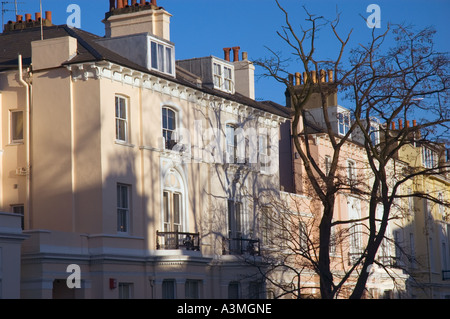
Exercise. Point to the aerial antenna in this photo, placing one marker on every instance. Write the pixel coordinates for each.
(5, 9)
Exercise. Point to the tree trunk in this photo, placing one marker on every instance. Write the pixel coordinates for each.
(326, 277)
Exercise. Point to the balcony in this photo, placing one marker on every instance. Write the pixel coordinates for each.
(241, 246)
(446, 275)
(177, 240)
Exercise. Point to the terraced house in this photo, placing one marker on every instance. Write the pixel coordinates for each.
(135, 167)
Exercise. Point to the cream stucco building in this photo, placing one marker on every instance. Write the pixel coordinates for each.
(145, 174)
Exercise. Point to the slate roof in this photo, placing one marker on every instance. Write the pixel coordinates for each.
(19, 42)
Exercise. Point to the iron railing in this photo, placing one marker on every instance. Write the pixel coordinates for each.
(177, 240)
(240, 246)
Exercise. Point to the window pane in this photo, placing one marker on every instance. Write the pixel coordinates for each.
(17, 126)
(191, 289)
(164, 118)
(176, 209)
(233, 290)
(154, 53)
(238, 207)
(166, 209)
(168, 289)
(161, 58)
(171, 119)
(168, 60)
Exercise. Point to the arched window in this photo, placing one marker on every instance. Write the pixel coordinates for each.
(173, 205)
(169, 126)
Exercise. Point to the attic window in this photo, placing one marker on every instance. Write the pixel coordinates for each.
(162, 57)
(223, 77)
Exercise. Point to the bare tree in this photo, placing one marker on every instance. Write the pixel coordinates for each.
(383, 84)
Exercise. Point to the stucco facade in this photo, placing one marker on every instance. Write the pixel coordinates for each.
(104, 190)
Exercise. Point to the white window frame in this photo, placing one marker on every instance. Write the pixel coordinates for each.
(159, 59)
(13, 126)
(122, 119)
(264, 152)
(123, 225)
(351, 171)
(343, 120)
(429, 157)
(221, 81)
(231, 143)
(173, 132)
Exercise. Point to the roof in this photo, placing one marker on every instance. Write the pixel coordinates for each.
(19, 42)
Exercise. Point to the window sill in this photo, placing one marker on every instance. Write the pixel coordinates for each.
(16, 143)
(123, 143)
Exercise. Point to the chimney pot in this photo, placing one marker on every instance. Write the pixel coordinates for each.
(291, 78)
(226, 54)
(323, 76)
(305, 77)
(313, 76)
(19, 18)
(37, 16)
(414, 123)
(48, 15)
(154, 3)
(298, 78)
(393, 125)
(236, 53)
(28, 17)
(400, 124)
(119, 4)
(407, 123)
(330, 76)
(142, 2)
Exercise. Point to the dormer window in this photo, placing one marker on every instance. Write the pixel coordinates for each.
(343, 122)
(162, 57)
(223, 77)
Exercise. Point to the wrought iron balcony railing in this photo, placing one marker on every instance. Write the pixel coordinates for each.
(177, 240)
(241, 246)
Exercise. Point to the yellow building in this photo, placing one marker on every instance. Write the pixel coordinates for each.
(423, 240)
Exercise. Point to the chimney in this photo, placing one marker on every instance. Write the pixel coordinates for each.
(244, 74)
(125, 19)
(407, 123)
(414, 123)
(226, 54)
(236, 53)
(28, 17)
(393, 126)
(37, 16)
(400, 124)
(19, 18)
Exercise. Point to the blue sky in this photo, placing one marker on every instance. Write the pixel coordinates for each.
(205, 27)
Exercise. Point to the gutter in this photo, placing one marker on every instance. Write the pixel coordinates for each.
(28, 146)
